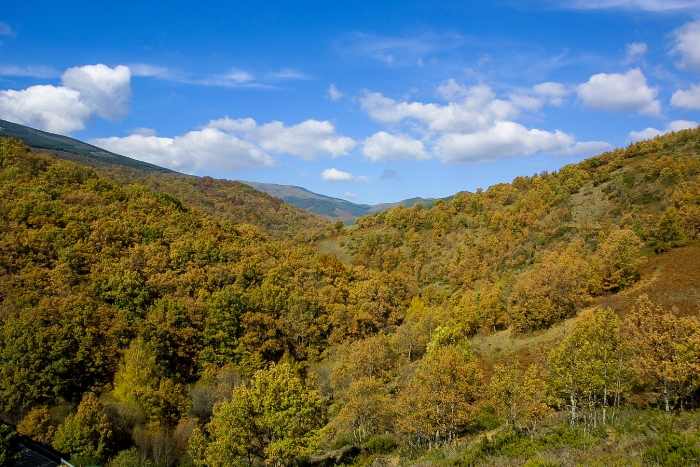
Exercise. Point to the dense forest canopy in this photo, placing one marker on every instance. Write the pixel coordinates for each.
(154, 319)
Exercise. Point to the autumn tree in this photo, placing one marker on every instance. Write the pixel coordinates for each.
(364, 409)
(275, 419)
(520, 399)
(620, 256)
(667, 350)
(442, 397)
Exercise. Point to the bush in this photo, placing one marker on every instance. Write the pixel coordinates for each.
(380, 444)
(673, 449)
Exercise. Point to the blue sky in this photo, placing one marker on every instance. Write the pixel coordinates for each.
(367, 101)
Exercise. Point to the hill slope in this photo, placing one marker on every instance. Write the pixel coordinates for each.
(224, 199)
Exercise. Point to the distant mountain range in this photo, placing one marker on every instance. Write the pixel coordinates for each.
(326, 206)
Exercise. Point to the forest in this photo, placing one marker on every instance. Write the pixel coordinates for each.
(158, 320)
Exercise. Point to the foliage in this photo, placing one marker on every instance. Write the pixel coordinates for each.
(87, 434)
(673, 449)
(274, 419)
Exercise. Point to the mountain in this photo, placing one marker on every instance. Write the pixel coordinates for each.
(72, 149)
(223, 199)
(544, 315)
(66, 148)
(330, 207)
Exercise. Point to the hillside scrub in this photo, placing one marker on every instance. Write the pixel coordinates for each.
(136, 328)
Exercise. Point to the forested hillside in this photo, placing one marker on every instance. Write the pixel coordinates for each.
(137, 329)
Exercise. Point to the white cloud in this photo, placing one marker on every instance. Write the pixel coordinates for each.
(334, 94)
(618, 91)
(687, 45)
(548, 93)
(227, 145)
(52, 108)
(87, 91)
(650, 133)
(647, 5)
(232, 78)
(635, 51)
(307, 139)
(5, 29)
(350, 195)
(107, 90)
(473, 126)
(205, 149)
(477, 109)
(335, 175)
(143, 131)
(382, 146)
(30, 71)
(154, 71)
(687, 99)
(506, 139)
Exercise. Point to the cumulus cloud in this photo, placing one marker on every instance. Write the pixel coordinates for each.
(687, 99)
(208, 148)
(86, 91)
(478, 108)
(307, 139)
(50, 108)
(616, 91)
(350, 195)
(650, 133)
(542, 94)
(108, 90)
(334, 94)
(635, 51)
(687, 38)
(382, 146)
(228, 145)
(473, 126)
(507, 139)
(335, 175)
(647, 5)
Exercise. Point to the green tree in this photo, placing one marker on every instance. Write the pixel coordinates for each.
(87, 434)
(588, 368)
(669, 231)
(275, 418)
(442, 398)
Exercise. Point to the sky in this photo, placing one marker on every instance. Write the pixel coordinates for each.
(366, 101)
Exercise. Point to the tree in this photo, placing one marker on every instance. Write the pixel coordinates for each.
(365, 409)
(588, 367)
(275, 418)
(87, 434)
(37, 425)
(520, 398)
(667, 349)
(442, 398)
(620, 259)
(670, 231)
